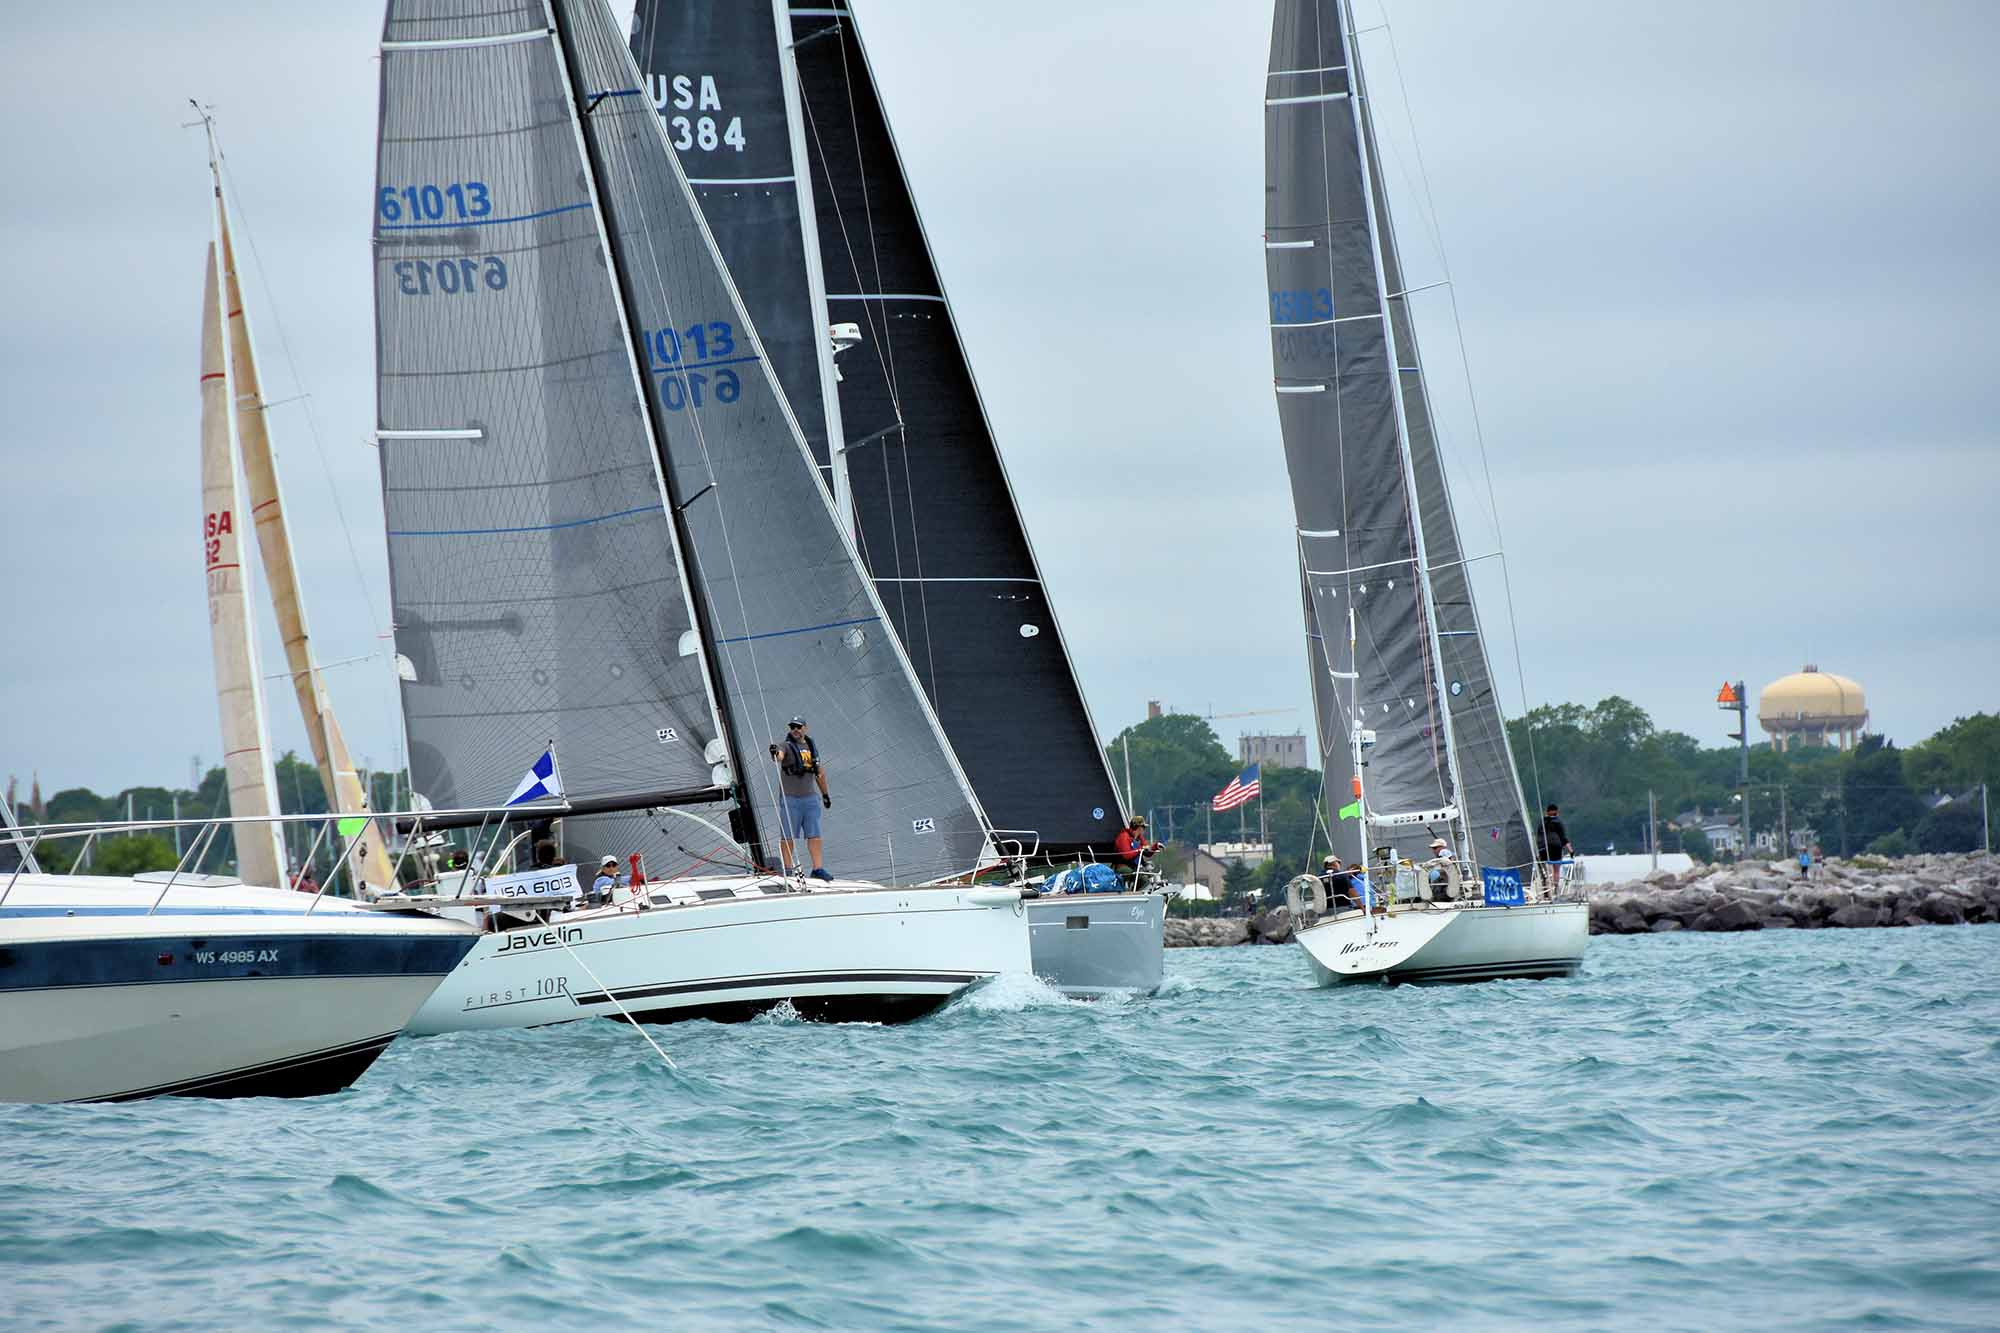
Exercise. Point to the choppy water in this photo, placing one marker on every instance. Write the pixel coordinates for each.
(1796, 1128)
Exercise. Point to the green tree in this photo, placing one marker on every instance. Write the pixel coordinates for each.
(1950, 828)
(133, 855)
(1875, 795)
(1695, 843)
(1961, 755)
(1893, 843)
(1236, 880)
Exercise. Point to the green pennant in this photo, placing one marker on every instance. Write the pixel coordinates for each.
(1351, 811)
(350, 827)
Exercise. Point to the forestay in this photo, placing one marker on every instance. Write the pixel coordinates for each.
(1360, 537)
(931, 505)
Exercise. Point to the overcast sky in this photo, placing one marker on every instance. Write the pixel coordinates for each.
(1726, 275)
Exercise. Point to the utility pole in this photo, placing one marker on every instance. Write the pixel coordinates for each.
(1784, 823)
(1985, 820)
(1653, 825)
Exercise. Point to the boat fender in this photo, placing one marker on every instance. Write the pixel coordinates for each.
(1304, 893)
(993, 897)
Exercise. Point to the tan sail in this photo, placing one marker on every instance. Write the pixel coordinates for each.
(252, 790)
(274, 543)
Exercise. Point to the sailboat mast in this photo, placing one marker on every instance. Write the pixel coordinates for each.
(816, 303)
(1343, 9)
(743, 819)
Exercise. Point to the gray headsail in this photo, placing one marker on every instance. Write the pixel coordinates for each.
(715, 73)
(1392, 636)
(915, 459)
(1490, 789)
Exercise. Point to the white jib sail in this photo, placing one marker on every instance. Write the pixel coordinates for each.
(274, 544)
(252, 790)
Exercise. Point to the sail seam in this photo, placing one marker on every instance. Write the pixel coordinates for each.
(541, 527)
(478, 222)
(803, 629)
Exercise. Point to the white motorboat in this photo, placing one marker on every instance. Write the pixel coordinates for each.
(729, 948)
(1422, 790)
(120, 988)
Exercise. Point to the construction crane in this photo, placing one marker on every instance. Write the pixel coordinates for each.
(1248, 712)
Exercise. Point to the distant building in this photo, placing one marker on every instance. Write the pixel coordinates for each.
(1211, 861)
(1722, 835)
(1276, 749)
(1813, 707)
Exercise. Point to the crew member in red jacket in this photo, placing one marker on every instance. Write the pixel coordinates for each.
(1132, 842)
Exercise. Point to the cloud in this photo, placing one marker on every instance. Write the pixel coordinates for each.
(1724, 276)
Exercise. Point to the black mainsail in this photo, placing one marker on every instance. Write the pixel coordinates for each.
(1393, 640)
(914, 462)
(603, 524)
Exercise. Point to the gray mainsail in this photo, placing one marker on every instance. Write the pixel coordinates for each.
(915, 459)
(772, 588)
(1393, 638)
(536, 587)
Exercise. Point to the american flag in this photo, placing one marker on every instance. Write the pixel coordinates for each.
(1242, 788)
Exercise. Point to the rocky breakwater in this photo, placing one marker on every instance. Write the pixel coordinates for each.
(1210, 932)
(1940, 890)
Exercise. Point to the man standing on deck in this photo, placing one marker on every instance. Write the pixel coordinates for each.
(1555, 843)
(802, 795)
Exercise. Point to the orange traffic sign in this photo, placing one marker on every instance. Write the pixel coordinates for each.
(1728, 695)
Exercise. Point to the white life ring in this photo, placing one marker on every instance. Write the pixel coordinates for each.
(1304, 892)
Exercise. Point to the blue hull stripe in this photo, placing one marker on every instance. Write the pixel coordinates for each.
(65, 964)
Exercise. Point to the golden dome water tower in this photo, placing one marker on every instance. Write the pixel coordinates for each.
(1813, 707)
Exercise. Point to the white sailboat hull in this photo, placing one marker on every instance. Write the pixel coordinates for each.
(1089, 945)
(224, 991)
(1448, 944)
(859, 952)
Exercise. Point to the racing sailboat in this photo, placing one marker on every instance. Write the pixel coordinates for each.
(1411, 736)
(774, 113)
(235, 430)
(604, 528)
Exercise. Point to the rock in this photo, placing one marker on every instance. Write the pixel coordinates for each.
(1855, 915)
(1272, 927)
(1939, 910)
(1779, 921)
(1738, 915)
(1665, 924)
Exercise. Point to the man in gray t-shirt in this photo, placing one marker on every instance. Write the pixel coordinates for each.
(802, 794)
